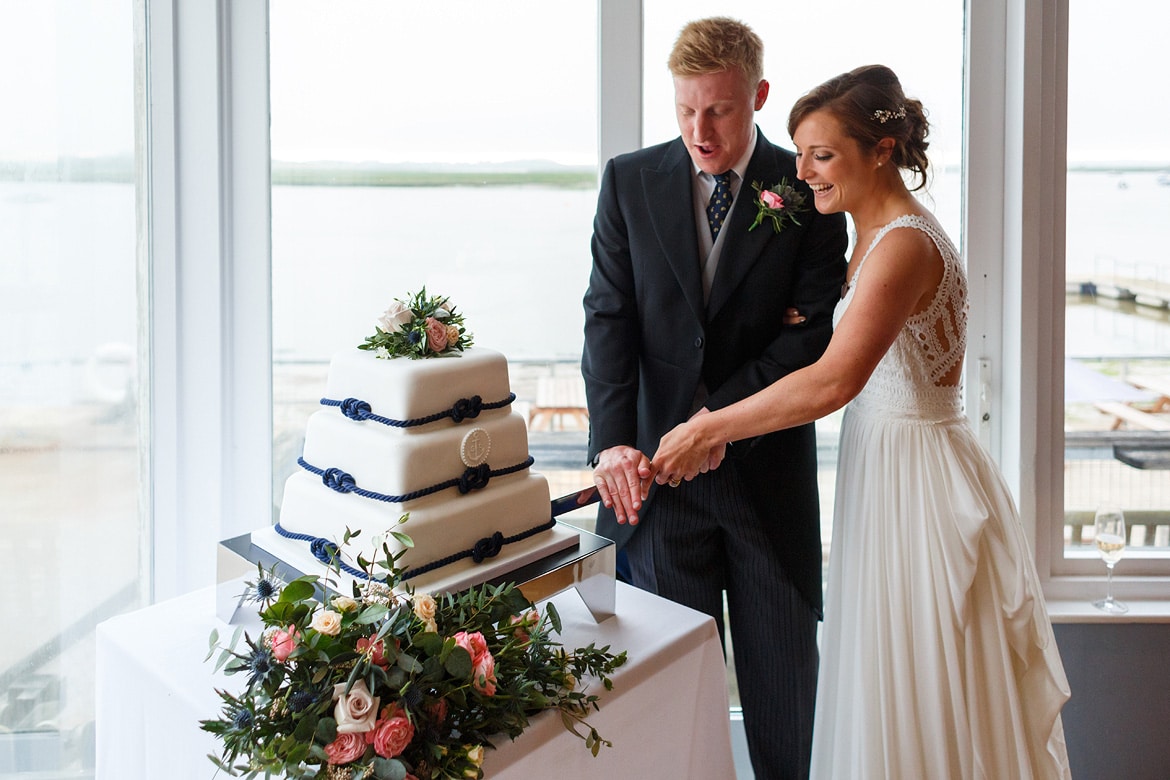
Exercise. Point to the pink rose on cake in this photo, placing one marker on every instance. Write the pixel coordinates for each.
(394, 318)
(436, 335)
(392, 733)
(357, 710)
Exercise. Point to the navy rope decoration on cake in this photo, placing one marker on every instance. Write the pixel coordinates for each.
(463, 409)
(472, 478)
(488, 547)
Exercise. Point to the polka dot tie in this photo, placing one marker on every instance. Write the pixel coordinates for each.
(720, 202)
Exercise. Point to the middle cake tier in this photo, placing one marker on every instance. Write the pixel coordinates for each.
(398, 462)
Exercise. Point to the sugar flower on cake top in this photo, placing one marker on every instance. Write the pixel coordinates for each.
(422, 326)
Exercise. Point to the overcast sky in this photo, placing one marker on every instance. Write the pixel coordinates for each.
(493, 80)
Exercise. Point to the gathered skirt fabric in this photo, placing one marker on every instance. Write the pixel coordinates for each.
(937, 655)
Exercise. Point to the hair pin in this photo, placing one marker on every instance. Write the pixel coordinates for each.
(884, 115)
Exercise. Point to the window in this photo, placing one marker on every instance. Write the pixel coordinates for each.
(1117, 330)
(412, 150)
(70, 528)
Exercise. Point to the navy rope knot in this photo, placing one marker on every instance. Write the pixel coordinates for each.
(355, 408)
(487, 547)
(336, 479)
(474, 478)
(323, 550)
(466, 409)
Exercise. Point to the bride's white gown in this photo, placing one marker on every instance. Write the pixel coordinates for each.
(937, 656)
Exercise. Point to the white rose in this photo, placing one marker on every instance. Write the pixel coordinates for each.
(356, 711)
(395, 317)
(344, 604)
(424, 607)
(327, 622)
(475, 756)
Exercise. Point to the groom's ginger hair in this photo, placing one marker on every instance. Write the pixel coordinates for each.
(717, 44)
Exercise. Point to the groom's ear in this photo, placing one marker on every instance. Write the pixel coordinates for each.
(761, 93)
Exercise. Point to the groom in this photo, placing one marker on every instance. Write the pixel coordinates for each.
(684, 314)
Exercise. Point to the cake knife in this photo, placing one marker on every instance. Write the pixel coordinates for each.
(575, 500)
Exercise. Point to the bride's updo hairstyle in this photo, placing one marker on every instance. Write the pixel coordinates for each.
(869, 103)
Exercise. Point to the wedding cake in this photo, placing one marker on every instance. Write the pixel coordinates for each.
(417, 423)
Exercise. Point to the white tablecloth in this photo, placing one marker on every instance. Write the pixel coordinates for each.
(667, 715)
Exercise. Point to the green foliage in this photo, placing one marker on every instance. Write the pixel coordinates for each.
(461, 669)
(789, 202)
(423, 326)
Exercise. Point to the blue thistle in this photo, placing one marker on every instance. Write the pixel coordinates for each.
(260, 664)
(242, 720)
(302, 700)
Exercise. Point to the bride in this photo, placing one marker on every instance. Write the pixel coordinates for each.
(938, 658)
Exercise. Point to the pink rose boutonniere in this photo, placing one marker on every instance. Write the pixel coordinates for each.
(780, 203)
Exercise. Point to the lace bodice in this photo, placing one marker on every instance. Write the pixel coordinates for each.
(908, 382)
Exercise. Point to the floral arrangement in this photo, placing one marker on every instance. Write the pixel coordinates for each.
(780, 204)
(391, 684)
(422, 326)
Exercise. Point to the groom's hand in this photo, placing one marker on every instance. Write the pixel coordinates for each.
(622, 476)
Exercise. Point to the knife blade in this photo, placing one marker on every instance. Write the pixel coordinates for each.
(575, 500)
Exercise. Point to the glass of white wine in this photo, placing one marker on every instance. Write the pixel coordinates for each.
(1110, 535)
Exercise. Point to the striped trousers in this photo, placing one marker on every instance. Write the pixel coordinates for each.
(704, 538)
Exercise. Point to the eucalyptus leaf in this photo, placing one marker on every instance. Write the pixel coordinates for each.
(299, 589)
(389, 769)
(458, 663)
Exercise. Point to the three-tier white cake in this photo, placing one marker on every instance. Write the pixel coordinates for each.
(434, 438)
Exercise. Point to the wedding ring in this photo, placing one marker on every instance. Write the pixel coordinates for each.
(675, 482)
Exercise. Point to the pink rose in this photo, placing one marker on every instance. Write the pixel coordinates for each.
(284, 642)
(771, 199)
(473, 643)
(377, 651)
(355, 711)
(523, 623)
(436, 335)
(392, 733)
(484, 676)
(346, 748)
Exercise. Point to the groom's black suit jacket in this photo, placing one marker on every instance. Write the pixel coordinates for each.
(650, 340)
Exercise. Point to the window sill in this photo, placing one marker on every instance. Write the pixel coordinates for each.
(1140, 611)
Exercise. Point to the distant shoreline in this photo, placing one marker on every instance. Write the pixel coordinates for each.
(120, 170)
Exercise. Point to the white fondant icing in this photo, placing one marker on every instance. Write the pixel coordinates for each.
(400, 461)
(440, 525)
(382, 460)
(405, 389)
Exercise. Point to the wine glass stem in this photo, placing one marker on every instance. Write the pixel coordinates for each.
(1109, 583)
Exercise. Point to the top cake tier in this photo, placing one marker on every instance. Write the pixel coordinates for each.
(404, 389)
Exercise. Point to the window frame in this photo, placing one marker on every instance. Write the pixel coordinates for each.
(209, 323)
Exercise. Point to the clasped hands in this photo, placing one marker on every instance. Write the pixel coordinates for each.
(623, 474)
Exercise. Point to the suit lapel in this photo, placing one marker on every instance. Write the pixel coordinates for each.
(670, 204)
(742, 247)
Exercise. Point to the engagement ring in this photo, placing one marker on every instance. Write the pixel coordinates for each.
(675, 482)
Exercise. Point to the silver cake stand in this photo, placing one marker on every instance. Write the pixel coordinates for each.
(586, 564)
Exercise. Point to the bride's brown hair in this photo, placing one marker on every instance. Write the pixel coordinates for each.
(870, 105)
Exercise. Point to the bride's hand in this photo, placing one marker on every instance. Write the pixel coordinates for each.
(793, 316)
(682, 455)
